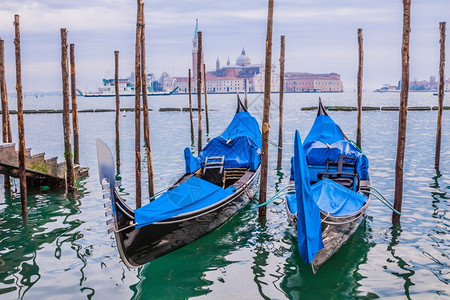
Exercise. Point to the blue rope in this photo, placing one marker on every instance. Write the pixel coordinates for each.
(275, 145)
(157, 194)
(279, 194)
(354, 144)
(382, 199)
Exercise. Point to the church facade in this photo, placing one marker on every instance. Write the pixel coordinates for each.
(245, 76)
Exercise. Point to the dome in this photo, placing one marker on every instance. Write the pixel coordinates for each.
(243, 60)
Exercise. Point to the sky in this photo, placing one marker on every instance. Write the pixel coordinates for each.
(321, 37)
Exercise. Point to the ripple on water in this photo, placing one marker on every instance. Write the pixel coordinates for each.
(66, 252)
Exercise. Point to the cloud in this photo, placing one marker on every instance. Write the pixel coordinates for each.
(320, 36)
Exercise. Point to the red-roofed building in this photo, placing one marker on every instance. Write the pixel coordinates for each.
(308, 82)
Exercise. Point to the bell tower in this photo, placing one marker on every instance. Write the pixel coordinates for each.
(195, 51)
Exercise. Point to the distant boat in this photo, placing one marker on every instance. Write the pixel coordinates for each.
(326, 198)
(216, 185)
(126, 89)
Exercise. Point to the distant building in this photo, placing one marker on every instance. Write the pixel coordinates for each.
(307, 82)
(431, 85)
(424, 85)
(388, 88)
(244, 75)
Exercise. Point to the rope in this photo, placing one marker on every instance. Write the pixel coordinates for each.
(326, 217)
(127, 227)
(279, 194)
(275, 145)
(382, 199)
(341, 223)
(354, 144)
(157, 194)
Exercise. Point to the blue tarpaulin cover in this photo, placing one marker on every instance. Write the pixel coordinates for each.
(326, 141)
(324, 130)
(191, 195)
(239, 152)
(192, 163)
(309, 233)
(336, 199)
(331, 197)
(244, 124)
(240, 143)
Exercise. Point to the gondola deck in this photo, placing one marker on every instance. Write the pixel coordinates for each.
(330, 210)
(204, 198)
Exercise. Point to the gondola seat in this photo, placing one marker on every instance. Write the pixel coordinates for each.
(346, 177)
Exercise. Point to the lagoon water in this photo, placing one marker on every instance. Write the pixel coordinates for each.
(65, 252)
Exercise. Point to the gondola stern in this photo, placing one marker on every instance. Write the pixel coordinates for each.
(240, 105)
(321, 110)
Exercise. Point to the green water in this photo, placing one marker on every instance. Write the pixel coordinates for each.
(64, 251)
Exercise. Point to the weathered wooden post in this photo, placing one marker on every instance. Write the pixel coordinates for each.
(190, 107)
(245, 93)
(266, 114)
(73, 91)
(22, 170)
(70, 177)
(116, 89)
(280, 124)
(398, 195)
(440, 95)
(137, 105)
(359, 88)
(6, 126)
(206, 99)
(148, 148)
(199, 90)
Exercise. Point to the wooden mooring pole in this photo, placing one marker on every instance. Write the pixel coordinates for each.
(245, 93)
(440, 95)
(399, 163)
(190, 107)
(266, 114)
(199, 90)
(73, 91)
(116, 89)
(206, 100)
(70, 177)
(6, 126)
(137, 105)
(280, 123)
(359, 83)
(20, 125)
(148, 148)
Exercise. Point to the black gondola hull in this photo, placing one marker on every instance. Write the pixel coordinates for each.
(335, 231)
(138, 246)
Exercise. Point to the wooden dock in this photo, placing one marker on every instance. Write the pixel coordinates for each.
(40, 171)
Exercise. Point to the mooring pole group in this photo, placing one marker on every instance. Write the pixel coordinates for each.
(72, 155)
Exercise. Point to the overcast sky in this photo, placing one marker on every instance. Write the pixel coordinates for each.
(321, 37)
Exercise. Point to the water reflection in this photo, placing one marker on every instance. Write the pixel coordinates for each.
(183, 273)
(407, 269)
(49, 222)
(440, 260)
(340, 274)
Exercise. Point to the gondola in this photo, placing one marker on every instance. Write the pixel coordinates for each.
(215, 186)
(329, 190)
